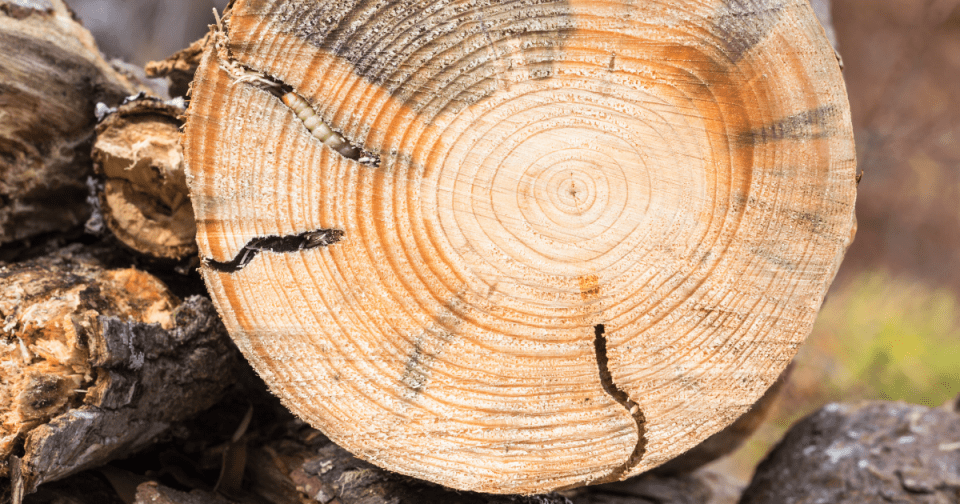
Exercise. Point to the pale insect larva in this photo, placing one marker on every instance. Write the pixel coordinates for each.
(316, 126)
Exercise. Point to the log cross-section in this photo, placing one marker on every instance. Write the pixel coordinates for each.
(574, 238)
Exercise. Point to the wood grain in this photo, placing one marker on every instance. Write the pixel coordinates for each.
(595, 233)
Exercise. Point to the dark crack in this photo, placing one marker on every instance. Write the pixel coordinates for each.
(606, 379)
(305, 112)
(281, 244)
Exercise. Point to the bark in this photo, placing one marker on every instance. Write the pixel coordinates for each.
(97, 364)
(700, 487)
(144, 198)
(872, 452)
(51, 78)
(155, 493)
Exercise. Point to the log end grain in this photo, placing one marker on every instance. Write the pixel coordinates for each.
(580, 237)
(145, 201)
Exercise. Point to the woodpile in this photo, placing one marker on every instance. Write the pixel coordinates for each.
(517, 249)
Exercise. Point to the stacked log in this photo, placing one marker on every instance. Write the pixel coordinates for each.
(144, 198)
(94, 359)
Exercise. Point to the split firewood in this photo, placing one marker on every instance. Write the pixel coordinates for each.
(144, 200)
(51, 77)
(96, 364)
(523, 246)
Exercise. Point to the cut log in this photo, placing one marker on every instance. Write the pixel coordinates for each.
(96, 364)
(577, 238)
(730, 438)
(51, 77)
(144, 200)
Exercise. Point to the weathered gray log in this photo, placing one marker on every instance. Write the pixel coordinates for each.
(305, 464)
(51, 77)
(872, 452)
(96, 364)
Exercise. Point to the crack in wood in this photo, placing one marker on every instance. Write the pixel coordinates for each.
(606, 380)
(280, 244)
(307, 115)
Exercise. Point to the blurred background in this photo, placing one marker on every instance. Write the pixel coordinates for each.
(890, 328)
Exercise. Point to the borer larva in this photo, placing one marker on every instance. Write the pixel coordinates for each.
(317, 127)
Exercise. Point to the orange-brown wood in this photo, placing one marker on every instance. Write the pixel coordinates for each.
(579, 236)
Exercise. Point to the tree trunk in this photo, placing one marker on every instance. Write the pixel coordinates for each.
(571, 241)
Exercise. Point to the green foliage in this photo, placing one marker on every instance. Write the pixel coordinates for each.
(891, 339)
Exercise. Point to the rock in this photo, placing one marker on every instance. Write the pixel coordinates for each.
(872, 452)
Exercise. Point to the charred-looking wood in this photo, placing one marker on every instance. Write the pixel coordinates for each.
(611, 388)
(279, 244)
